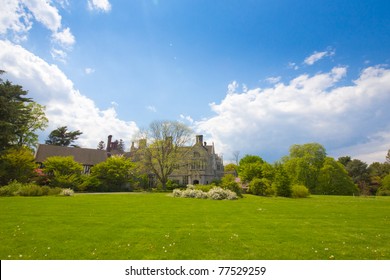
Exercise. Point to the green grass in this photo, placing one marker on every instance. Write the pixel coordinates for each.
(158, 226)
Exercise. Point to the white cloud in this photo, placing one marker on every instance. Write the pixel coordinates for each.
(292, 65)
(17, 18)
(316, 56)
(308, 108)
(187, 119)
(151, 108)
(89, 70)
(14, 19)
(65, 105)
(44, 13)
(100, 5)
(273, 80)
(64, 38)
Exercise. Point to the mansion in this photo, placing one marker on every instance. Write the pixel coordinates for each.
(199, 163)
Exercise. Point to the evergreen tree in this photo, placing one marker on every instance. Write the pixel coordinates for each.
(20, 117)
(101, 145)
(62, 137)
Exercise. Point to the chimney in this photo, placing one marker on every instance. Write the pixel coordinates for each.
(199, 140)
(109, 143)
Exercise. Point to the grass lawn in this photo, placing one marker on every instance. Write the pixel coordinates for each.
(158, 226)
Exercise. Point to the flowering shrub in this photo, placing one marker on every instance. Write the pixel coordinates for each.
(67, 192)
(220, 194)
(215, 193)
(176, 193)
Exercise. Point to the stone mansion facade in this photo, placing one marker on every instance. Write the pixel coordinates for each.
(199, 163)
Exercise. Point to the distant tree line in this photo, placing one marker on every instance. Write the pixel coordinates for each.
(308, 167)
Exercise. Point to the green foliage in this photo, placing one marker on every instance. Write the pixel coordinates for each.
(334, 180)
(204, 188)
(36, 120)
(304, 163)
(228, 182)
(249, 171)
(248, 159)
(377, 172)
(16, 188)
(20, 117)
(63, 172)
(282, 181)
(11, 189)
(252, 167)
(16, 164)
(358, 170)
(384, 190)
(114, 174)
(299, 191)
(62, 137)
(231, 167)
(163, 154)
(261, 187)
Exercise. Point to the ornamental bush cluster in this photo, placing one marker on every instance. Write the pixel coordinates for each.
(30, 189)
(215, 193)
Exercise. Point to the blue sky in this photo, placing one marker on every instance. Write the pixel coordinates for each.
(252, 76)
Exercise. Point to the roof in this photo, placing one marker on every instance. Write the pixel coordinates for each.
(81, 155)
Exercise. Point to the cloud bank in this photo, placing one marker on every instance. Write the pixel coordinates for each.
(347, 120)
(17, 18)
(65, 105)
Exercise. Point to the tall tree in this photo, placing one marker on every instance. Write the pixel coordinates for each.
(62, 137)
(164, 153)
(282, 181)
(304, 163)
(358, 170)
(20, 117)
(36, 120)
(334, 179)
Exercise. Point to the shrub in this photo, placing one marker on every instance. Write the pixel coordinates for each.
(114, 174)
(32, 190)
(220, 194)
(261, 187)
(299, 191)
(176, 193)
(54, 191)
(215, 193)
(16, 164)
(63, 172)
(10, 189)
(228, 182)
(67, 192)
(204, 188)
(67, 181)
(16, 188)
